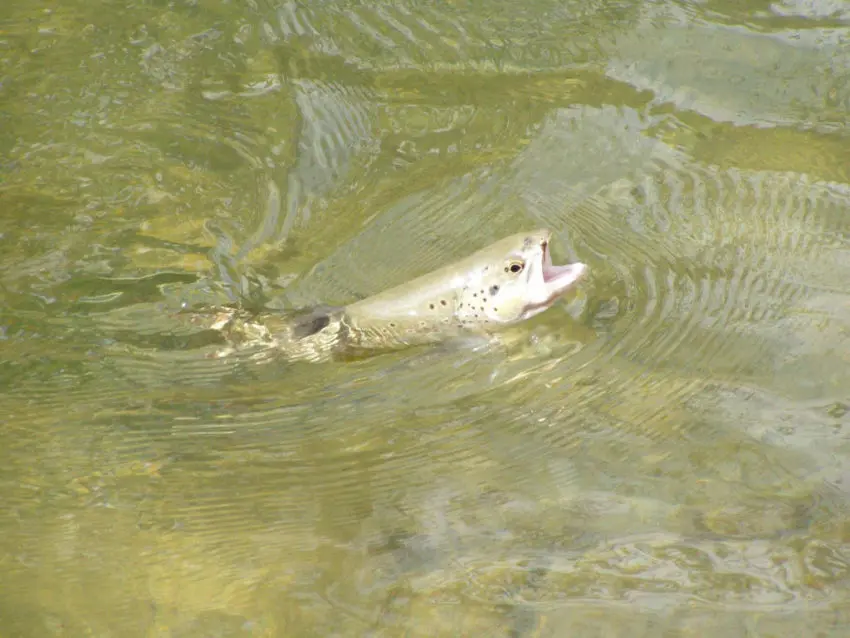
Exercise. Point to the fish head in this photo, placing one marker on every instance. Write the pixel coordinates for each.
(514, 279)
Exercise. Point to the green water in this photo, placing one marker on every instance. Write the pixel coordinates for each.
(664, 453)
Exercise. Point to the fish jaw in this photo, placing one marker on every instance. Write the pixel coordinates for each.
(547, 282)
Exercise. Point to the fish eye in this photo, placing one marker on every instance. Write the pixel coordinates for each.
(515, 267)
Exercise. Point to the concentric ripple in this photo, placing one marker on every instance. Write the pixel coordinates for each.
(667, 440)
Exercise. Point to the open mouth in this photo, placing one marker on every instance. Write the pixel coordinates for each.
(560, 276)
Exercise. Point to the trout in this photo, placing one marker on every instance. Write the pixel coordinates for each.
(500, 285)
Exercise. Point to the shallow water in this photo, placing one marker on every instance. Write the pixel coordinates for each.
(665, 452)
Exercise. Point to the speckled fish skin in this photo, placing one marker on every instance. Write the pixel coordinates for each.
(502, 284)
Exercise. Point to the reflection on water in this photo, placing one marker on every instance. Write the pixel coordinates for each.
(663, 452)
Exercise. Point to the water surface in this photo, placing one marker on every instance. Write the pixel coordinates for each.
(665, 452)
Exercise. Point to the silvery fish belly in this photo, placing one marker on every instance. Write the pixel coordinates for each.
(500, 285)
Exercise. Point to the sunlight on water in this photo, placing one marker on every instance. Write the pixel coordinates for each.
(663, 452)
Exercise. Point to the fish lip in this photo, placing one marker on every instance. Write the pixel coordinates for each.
(552, 273)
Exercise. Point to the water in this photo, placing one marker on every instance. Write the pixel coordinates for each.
(663, 453)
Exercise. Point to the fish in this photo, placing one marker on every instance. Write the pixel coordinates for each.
(503, 284)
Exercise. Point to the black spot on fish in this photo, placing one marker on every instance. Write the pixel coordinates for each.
(494, 290)
(392, 325)
(431, 306)
(527, 243)
(442, 302)
(474, 294)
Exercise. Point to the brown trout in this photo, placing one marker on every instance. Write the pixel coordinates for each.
(500, 285)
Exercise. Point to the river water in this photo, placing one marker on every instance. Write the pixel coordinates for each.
(663, 453)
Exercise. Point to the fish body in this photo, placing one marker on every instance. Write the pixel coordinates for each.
(500, 285)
